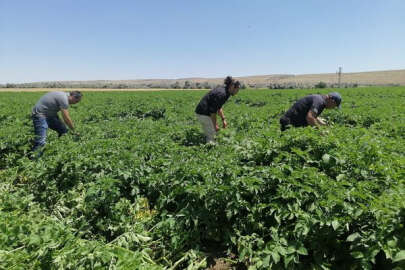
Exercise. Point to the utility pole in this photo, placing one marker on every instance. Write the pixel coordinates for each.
(339, 76)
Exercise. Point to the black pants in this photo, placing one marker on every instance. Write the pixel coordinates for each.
(286, 123)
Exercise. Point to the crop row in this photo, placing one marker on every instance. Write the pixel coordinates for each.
(140, 189)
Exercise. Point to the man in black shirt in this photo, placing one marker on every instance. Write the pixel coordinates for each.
(211, 105)
(306, 110)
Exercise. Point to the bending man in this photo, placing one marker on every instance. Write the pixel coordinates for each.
(45, 115)
(307, 109)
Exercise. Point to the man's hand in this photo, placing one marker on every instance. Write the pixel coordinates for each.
(321, 121)
(224, 123)
(216, 127)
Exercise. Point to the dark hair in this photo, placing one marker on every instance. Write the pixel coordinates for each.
(230, 81)
(76, 94)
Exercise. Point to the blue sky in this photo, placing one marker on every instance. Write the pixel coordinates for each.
(46, 40)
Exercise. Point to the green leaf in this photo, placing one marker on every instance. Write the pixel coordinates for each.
(340, 177)
(266, 261)
(302, 251)
(392, 243)
(400, 256)
(353, 237)
(357, 254)
(275, 256)
(287, 261)
(143, 238)
(335, 224)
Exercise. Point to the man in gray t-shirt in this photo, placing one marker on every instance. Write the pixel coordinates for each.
(51, 103)
(45, 114)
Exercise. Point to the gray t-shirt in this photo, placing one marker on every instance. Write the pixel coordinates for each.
(51, 103)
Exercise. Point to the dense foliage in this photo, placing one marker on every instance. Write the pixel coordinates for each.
(139, 189)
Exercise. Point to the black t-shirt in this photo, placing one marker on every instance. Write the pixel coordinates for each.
(298, 112)
(212, 101)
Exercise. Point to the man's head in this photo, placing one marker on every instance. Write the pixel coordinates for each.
(232, 85)
(74, 97)
(333, 100)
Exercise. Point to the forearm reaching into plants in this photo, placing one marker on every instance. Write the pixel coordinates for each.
(67, 120)
(222, 115)
(313, 121)
(321, 121)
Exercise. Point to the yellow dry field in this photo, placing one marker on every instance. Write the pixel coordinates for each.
(388, 77)
(361, 78)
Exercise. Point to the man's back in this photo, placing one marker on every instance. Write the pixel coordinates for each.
(298, 112)
(51, 103)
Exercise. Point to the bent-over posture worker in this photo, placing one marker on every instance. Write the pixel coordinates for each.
(211, 105)
(45, 115)
(307, 109)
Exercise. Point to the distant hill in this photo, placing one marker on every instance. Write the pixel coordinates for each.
(389, 77)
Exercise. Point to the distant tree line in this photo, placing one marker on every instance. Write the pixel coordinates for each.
(116, 85)
(176, 85)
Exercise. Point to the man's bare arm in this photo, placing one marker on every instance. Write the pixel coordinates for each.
(312, 120)
(66, 119)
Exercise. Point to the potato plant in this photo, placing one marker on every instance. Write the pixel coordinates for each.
(139, 189)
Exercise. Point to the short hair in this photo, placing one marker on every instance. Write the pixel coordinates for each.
(336, 97)
(76, 94)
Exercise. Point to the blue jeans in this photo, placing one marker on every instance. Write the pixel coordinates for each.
(41, 124)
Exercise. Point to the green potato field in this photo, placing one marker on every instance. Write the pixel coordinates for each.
(139, 188)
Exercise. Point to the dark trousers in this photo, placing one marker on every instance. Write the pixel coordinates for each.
(41, 125)
(286, 123)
